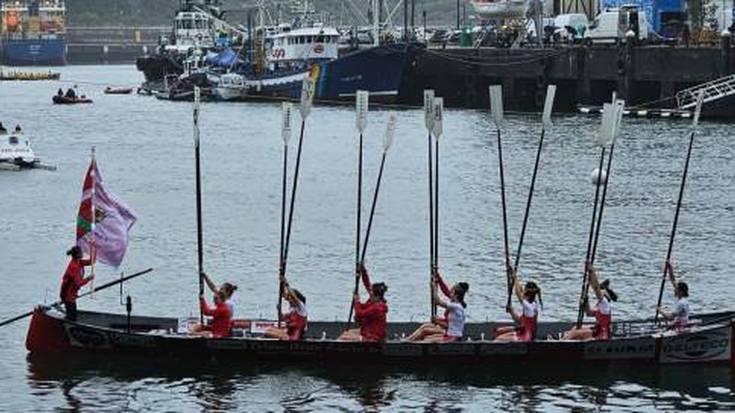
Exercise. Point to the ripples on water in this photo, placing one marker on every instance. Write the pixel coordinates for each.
(145, 153)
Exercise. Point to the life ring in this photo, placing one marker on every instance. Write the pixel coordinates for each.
(318, 48)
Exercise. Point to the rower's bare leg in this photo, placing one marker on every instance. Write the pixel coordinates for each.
(424, 331)
(275, 332)
(434, 338)
(582, 333)
(507, 337)
(351, 335)
(504, 330)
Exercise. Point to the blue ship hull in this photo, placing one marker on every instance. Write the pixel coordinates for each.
(29, 52)
(378, 70)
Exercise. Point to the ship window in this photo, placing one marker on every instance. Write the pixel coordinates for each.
(320, 39)
(13, 140)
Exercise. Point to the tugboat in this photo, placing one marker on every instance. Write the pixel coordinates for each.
(33, 32)
(199, 24)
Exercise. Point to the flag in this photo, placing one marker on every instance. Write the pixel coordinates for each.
(103, 220)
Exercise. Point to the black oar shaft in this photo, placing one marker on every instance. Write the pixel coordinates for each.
(506, 245)
(200, 229)
(436, 217)
(99, 288)
(372, 209)
(431, 227)
(676, 221)
(605, 186)
(283, 230)
(358, 230)
(294, 186)
(591, 236)
(529, 200)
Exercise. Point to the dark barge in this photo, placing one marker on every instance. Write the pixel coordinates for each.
(709, 341)
(645, 76)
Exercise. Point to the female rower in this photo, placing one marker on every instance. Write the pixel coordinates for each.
(221, 325)
(296, 319)
(679, 315)
(602, 312)
(370, 315)
(226, 287)
(73, 280)
(453, 316)
(528, 318)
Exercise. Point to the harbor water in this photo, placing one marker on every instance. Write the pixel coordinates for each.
(145, 153)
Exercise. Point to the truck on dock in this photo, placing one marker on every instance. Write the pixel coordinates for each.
(665, 18)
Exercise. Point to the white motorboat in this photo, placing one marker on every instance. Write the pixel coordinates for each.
(16, 153)
(231, 86)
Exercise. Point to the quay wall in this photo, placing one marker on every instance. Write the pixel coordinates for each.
(583, 74)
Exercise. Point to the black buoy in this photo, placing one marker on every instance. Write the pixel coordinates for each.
(129, 309)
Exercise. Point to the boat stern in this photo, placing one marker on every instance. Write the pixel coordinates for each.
(46, 334)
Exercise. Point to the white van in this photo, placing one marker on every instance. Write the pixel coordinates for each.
(612, 24)
(576, 21)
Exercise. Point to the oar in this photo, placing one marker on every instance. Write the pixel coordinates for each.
(99, 288)
(307, 96)
(695, 123)
(607, 135)
(286, 110)
(546, 123)
(429, 123)
(496, 109)
(361, 109)
(200, 241)
(390, 131)
(438, 130)
(387, 142)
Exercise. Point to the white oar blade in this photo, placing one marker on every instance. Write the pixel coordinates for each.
(607, 128)
(197, 96)
(429, 110)
(496, 104)
(195, 114)
(619, 106)
(361, 107)
(698, 108)
(549, 106)
(307, 96)
(390, 132)
(286, 113)
(438, 117)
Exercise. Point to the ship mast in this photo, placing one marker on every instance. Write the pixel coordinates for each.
(260, 39)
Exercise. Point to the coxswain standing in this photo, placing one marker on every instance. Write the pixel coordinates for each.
(602, 312)
(296, 319)
(679, 315)
(73, 280)
(527, 320)
(370, 315)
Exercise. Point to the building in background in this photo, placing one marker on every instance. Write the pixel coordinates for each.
(33, 32)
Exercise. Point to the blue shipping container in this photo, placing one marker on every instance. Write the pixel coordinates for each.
(654, 9)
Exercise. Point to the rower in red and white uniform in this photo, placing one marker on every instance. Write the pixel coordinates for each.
(221, 325)
(296, 319)
(527, 320)
(602, 311)
(371, 315)
(679, 314)
(451, 326)
(73, 280)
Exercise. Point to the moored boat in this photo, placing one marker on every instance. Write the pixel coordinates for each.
(118, 90)
(16, 153)
(710, 340)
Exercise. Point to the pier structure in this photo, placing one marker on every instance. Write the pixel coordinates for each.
(642, 75)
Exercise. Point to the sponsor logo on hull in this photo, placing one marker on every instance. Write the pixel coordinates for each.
(86, 337)
(640, 348)
(712, 345)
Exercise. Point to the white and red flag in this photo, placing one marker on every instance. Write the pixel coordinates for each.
(103, 221)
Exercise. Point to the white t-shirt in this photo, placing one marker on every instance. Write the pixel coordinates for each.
(603, 306)
(530, 309)
(300, 309)
(681, 311)
(455, 319)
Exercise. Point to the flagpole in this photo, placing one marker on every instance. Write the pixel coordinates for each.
(93, 246)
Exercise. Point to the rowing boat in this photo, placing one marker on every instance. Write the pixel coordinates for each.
(708, 340)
